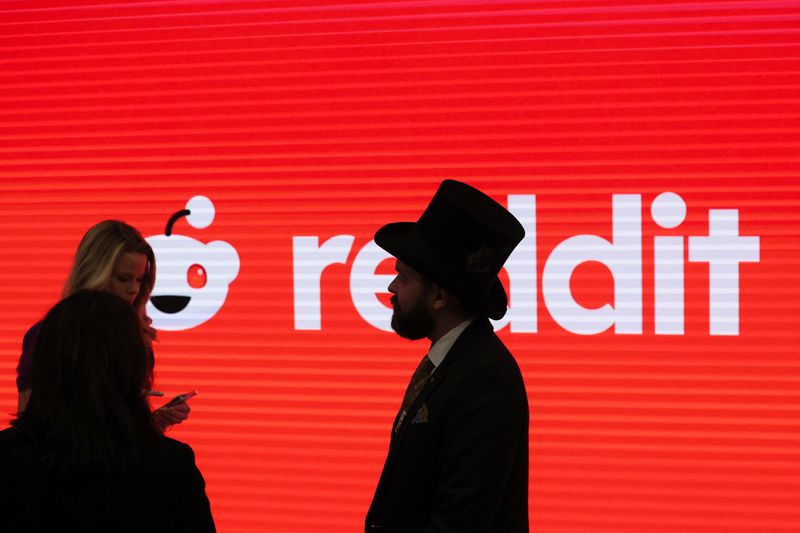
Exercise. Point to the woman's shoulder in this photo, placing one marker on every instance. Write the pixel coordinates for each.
(15, 451)
(8, 436)
(30, 335)
(25, 358)
(170, 464)
(170, 451)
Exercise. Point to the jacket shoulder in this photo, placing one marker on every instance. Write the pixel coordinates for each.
(480, 348)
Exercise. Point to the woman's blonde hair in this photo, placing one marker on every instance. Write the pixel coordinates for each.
(98, 253)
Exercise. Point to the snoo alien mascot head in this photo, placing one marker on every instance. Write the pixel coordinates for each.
(193, 277)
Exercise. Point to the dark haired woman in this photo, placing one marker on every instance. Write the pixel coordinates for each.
(85, 454)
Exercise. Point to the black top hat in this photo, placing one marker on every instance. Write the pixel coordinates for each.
(460, 242)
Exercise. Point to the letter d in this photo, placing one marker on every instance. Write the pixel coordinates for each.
(623, 257)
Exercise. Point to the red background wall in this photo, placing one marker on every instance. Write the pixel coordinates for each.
(333, 119)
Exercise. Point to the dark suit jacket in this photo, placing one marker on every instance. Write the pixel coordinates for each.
(465, 469)
(165, 493)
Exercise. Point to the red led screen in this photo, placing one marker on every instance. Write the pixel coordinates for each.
(650, 149)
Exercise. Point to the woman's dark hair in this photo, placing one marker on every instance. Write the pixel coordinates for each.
(90, 368)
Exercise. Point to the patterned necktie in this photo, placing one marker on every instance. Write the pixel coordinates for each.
(421, 375)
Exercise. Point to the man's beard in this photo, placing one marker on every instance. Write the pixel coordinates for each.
(414, 323)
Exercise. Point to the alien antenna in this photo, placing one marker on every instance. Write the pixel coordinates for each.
(174, 218)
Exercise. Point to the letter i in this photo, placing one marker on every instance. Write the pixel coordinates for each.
(668, 211)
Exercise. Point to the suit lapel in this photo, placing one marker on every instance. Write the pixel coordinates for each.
(439, 375)
(437, 378)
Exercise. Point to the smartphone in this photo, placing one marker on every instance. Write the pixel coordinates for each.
(180, 398)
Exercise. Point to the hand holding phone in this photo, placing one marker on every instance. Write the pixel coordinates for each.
(180, 398)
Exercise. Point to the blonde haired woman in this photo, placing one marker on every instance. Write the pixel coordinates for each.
(112, 257)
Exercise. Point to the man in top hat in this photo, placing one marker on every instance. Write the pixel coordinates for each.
(458, 455)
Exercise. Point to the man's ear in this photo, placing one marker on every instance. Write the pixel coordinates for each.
(439, 298)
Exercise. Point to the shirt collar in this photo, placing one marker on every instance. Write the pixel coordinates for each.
(440, 348)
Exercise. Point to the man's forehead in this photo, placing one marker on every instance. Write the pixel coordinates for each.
(403, 268)
(411, 273)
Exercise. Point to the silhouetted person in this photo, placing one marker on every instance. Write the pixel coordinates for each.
(85, 454)
(458, 454)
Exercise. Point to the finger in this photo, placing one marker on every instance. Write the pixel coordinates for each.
(179, 412)
(181, 409)
(160, 420)
(170, 415)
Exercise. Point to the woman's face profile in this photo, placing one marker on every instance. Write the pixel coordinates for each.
(126, 280)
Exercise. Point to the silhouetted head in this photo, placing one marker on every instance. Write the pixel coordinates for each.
(89, 372)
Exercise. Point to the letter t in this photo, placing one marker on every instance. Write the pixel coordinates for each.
(723, 249)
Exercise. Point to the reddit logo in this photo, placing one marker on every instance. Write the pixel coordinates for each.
(192, 277)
